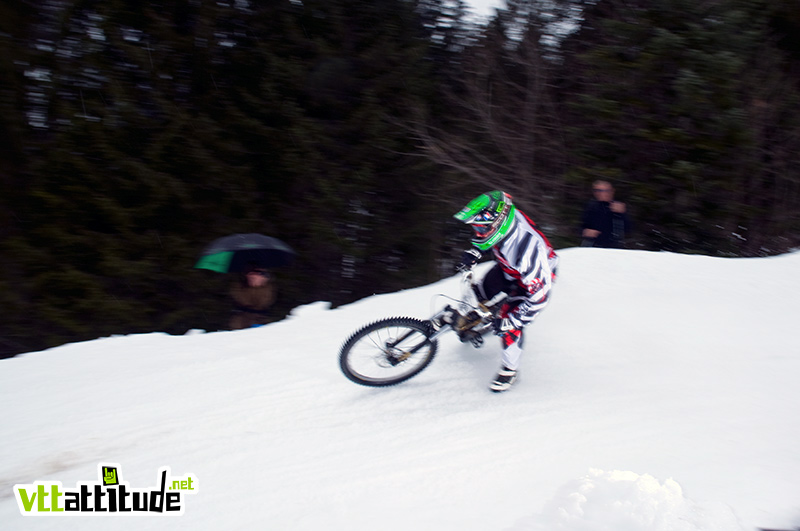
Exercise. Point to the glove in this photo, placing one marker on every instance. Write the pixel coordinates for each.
(469, 258)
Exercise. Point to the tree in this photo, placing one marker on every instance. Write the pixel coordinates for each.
(660, 99)
(502, 128)
(155, 127)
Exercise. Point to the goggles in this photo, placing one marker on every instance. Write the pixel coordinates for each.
(484, 222)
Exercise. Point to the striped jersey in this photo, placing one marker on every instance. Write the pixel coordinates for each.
(525, 255)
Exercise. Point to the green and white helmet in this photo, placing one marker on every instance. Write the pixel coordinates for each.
(491, 216)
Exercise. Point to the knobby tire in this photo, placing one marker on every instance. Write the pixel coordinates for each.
(365, 359)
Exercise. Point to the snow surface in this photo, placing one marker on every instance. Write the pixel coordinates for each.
(657, 392)
(485, 8)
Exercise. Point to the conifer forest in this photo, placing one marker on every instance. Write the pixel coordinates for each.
(133, 133)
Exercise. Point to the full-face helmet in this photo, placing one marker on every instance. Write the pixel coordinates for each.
(491, 216)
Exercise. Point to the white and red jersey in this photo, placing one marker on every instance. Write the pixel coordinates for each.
(526, 256)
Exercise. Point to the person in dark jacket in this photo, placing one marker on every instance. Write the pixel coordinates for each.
(253, 293)
(605, 221)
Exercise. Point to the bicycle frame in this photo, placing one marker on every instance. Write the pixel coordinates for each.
(376, 355)
(472, 313)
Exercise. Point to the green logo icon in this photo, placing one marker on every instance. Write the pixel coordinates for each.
(110, 476)
(108, 493)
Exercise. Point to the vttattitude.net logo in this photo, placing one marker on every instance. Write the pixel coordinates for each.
(110, 495)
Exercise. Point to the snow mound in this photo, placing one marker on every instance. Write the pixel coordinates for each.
(626, 501)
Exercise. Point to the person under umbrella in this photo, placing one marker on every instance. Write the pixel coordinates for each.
(248, 256)
(253, 292)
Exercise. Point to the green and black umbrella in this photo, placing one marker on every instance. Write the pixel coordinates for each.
(239, 252)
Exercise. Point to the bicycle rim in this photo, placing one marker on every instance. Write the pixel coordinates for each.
(387, 352)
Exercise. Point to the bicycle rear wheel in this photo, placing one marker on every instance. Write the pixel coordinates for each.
(388, 351)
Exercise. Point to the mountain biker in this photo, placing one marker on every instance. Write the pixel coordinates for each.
(525, 271)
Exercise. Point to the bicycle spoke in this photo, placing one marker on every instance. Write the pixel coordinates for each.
(387, 352)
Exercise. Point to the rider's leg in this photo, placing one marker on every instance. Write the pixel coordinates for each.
(492, 283)
(512, 349)
(509, 362)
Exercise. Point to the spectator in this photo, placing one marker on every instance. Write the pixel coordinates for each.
(253, 293)
(605, 222)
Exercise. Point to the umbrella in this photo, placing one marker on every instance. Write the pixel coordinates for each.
(238, 252)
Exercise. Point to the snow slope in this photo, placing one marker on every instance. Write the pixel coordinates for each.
(657, 392)
(485, 8)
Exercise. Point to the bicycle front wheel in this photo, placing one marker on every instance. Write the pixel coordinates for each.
(388, 352)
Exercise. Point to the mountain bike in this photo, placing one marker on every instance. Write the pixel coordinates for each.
(392, 350)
